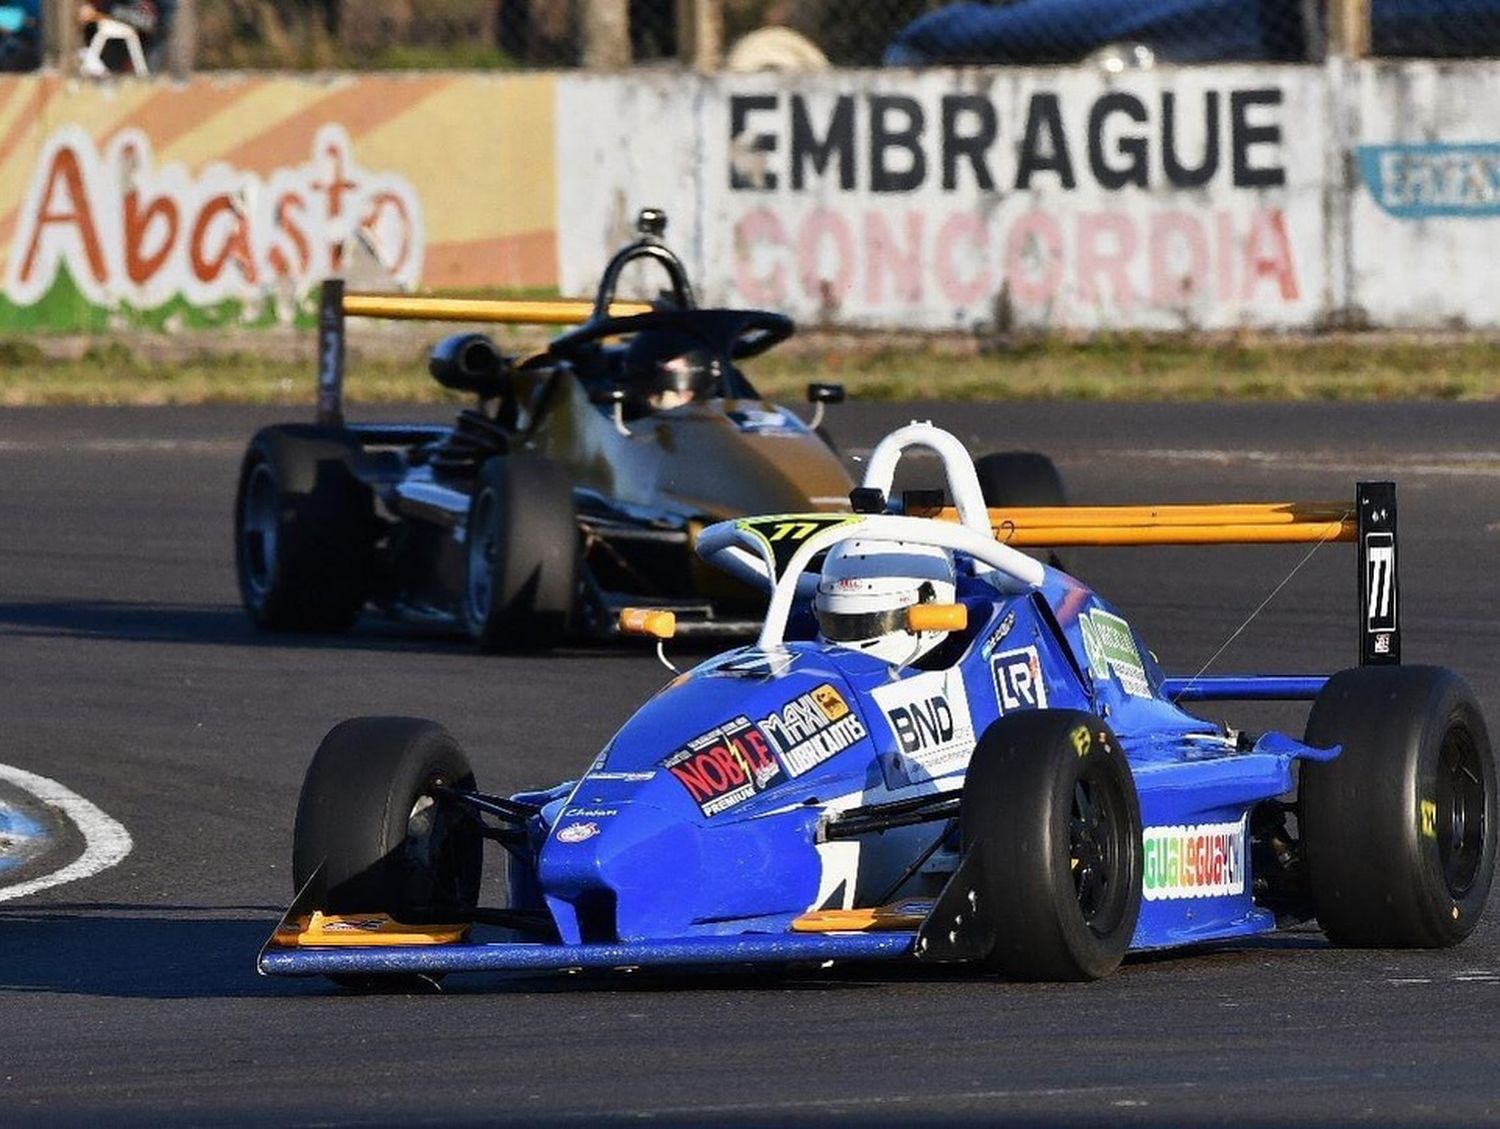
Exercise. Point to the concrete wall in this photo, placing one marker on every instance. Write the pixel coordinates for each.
(1176, 198)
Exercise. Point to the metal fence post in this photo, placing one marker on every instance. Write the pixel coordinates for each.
(60, 33)
(606, 35)
(700, 34)
(182, 51)
(1349, 28)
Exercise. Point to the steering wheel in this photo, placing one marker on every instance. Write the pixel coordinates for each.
(732, 333)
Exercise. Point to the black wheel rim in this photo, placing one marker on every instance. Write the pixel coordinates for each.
(442, 852)
(1458, 818)
(258, 531)
(479, 589)
(1099, 851)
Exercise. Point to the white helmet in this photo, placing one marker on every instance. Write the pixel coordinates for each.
(866, 587)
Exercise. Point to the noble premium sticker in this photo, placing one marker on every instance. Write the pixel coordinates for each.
(725, 766)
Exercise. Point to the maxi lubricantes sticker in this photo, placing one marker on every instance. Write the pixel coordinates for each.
(811, 728)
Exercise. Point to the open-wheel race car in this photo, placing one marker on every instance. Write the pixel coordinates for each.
(939, 749)
(575, 487)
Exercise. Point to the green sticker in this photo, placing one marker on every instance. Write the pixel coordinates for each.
(1110, 646)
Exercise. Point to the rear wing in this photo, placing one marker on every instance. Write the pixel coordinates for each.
(1369, 521)
(336, 305)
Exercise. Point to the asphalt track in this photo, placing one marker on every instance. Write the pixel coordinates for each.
(128, 674)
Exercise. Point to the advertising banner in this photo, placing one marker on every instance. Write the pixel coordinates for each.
(1166, 199)
(229, 200)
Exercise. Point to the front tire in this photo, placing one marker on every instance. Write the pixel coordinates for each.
(1049, 803)
(304, 530)
(1399, 829)
(521, 560)
(371, 817)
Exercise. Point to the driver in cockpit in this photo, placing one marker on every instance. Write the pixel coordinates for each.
(666, 369)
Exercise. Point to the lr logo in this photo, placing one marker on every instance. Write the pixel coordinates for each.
(1018, 680)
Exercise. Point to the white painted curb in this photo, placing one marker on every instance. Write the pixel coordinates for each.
(106, 841)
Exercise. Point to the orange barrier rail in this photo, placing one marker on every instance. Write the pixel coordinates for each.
(1275, 523)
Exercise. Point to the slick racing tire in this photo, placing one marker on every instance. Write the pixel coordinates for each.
(304, 530)
(1009, 479)
(521, 558)
(1398, 830)
(1019, 478)
(1049, 807)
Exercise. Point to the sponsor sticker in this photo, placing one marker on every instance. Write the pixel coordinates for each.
(1204, 860)
(929, 715)
(626, 777)
(354, 925)
(1018, 680)
(1110, 646)
(577, 832)
(590, 813)
(725, 766)
(811, 728)
(998, 636)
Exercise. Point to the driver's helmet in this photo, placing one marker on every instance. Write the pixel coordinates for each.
(668, 368)
(866, 587)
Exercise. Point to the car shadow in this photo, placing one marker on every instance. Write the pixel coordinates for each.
(136, 952)
(208, 952)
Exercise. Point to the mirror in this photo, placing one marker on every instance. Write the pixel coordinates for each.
(937, 617)
(653, 622)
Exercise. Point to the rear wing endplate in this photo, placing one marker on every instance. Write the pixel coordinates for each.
(337, 304)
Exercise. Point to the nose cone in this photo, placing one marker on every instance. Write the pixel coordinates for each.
(618, 871)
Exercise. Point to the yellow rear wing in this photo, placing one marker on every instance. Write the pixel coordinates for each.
(1368, 521)
(1269, 523)
(337, 304)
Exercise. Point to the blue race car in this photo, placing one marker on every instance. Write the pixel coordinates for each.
(939, 749)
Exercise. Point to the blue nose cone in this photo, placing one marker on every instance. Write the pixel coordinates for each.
(621, 871)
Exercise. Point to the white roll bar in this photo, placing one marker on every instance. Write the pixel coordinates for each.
(729, 541)
(958, 466)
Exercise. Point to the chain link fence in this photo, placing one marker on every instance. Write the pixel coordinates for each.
(749, 35)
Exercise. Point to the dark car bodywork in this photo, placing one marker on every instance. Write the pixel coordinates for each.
(643, 481)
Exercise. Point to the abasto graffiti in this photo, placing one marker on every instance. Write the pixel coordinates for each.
(129, 232)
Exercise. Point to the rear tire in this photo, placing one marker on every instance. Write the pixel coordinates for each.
(1049, 803)
(304, 530)
(521, 559)
(1011, 479)
(1399, 829)
(1019, 478)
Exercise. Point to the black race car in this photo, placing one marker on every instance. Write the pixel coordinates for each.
(576, 486)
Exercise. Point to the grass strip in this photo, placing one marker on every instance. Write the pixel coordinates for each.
(1104, 367)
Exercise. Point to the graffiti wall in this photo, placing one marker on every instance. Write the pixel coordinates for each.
(1174, 198)
(1166, 199)
(230, 200)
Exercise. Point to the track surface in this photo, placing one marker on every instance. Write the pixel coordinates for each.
(129, 675)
